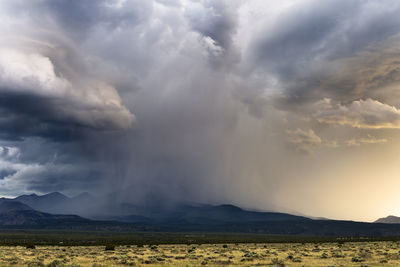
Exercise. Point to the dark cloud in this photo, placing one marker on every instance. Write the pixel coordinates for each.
(81, 118)
(32, 116)
(6, 172)
(304, 46)
(81, 18)
(216, 20)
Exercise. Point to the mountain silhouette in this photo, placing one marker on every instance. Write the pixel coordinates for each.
(17, 213)
(105, 213)
(389, 219)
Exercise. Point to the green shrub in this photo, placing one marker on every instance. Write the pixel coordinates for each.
(55, 263)
(296, 259)
(35, 263)
(110, 247)
(277, 262)
(357, 259)
(324, 256)
(30, 246)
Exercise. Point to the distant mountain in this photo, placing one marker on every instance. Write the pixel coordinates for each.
(389, 219)
(84, 204)
(9, 206)
(53, 202)
(155, 211)
(206, 214)
(17, 213)
(233, 214)
(106, 213)
(33, 198)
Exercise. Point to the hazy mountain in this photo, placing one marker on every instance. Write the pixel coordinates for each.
(53, 202)
(8, 206)
(233, 214)
(14, 214)
(205, 214)
(155, 210)
(84, 204)
(109, 214)
(389, 219)
(17, 213)
(43, 199)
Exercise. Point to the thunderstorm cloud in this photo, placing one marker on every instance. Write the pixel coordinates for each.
(243, 102)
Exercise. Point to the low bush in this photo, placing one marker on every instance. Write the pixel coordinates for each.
(110, 247)
(30, 246)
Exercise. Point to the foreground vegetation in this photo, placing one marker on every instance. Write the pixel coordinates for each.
(98, 248)
(383, 253)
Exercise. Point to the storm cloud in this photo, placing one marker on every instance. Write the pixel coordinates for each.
(201, 101)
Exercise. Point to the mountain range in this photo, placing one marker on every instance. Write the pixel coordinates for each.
(16, 213)
(389, 219)
(58, 211)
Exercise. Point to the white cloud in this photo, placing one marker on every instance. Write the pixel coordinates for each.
(307, 141)
(304, 140)
(29, 72)
(370, 114)
(92, 103)
(7, 152)
(366, 140)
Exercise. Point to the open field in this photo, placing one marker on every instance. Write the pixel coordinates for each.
(23, 237)
(384, 253)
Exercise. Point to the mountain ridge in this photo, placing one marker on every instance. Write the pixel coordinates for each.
(174, 218)
(389, 219)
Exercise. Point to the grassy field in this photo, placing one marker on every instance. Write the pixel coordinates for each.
(99, 248)
(383, 253)
(95, 238)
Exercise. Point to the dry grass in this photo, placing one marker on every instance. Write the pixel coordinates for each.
(323, 254)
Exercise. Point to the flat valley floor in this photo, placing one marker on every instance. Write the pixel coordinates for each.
(289, 254)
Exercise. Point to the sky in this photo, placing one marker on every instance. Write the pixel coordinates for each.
(287, 105)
